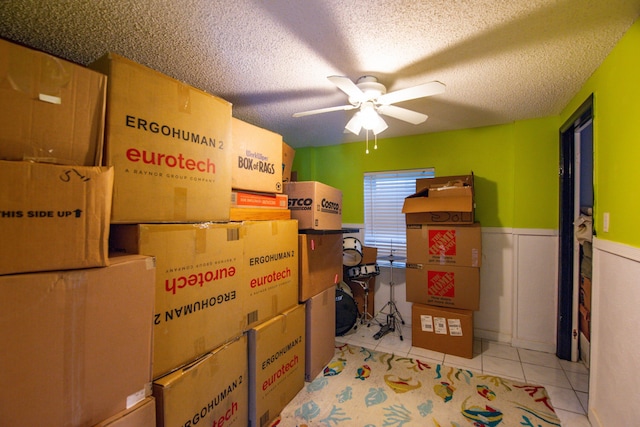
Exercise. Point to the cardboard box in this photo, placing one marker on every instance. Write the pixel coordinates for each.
(459, 245)
(170, 145)
(584, 321)
(51, 110)
(252, 199)
(198, 292)
(320, 263)
(585, 292)
(212, 391)
(288, 154)
(320, 333)
(270, 273)
(315, 205)
(83, 336)
(53, 217)
(445, 330)
(443, 200)
(257, 158)
(444, 286)
(142, 414)
(276, 365)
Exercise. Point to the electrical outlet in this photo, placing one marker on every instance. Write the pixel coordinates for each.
(605, 222)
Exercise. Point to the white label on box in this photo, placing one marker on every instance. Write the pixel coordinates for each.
(455, 327)
(440, 325)
(134, 398)
(427, 322)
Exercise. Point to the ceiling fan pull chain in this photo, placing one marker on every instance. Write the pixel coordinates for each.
(367, 147)
(375, 138)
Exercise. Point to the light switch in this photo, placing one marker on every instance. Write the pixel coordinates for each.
(605, 222)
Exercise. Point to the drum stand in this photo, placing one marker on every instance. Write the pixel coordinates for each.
(365, 316)
(394, 315)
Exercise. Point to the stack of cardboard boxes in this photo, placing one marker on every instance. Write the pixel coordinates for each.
(443, 264)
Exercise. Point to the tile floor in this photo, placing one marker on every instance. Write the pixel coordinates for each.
(566, 382)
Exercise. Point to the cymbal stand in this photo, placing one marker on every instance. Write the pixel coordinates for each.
(393, 316)
(365, 316)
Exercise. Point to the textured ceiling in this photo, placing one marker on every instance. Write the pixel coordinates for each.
(501, 60)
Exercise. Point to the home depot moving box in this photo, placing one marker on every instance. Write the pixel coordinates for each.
(53, 217)
(270, 272)
(459, 245)
(198, 292)
(320, 335)
(257, 159)
(211, 391)
(276, 364)
(315, 205)
(442, 200)
(51, 110)
(170, 145)
(320, 263)
(76, 344)
(445, 330)
(443, 285)
(143, 414)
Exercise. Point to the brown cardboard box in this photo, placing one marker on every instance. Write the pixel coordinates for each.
(198, 297)
(212, 391)
(315, 205)
(445, 330)
(442, 200)
(320, 335)
(53, 217)
(257, 158)
(276, 364)
(143, 414)
(320, 263)
(585, 292)
(270, 272)
(445, 286)
(82, 337)
(584, 321)
(459, 245)
(51, 110)
(170, 145)
(288, 154)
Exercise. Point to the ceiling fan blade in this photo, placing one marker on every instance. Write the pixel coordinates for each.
(324, 110)
(403, 114)
(347, 86)
(420, 91)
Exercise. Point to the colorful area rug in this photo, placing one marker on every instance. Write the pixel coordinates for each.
(366, 388)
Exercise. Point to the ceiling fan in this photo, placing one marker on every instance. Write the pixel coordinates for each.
(372, 100)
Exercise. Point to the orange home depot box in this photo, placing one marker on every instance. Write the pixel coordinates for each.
(270, 273)
(276, 365)
(320, 263)
(459, 245)
(442, 200)
(320, 335)
(169, 144)
(315, 205)
(211, 391)
(443, 285)
(51, 110)
(83, 337)
(445, 330)
(53, 217)
(142, 414)
(198, 289)
(257, 159)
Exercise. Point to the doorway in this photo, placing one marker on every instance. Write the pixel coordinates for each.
(575, 205)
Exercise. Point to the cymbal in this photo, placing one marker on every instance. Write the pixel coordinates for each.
(391, 258)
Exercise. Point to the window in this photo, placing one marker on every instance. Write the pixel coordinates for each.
(384, 223)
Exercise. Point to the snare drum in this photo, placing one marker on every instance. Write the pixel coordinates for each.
(351, 251)
(346, 309)
(366, 270)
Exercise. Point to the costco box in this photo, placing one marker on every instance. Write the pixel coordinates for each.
(320, 263)
(288, 154)
(320, 332)
(443, 200)
(315, 205)
(143, 414)
(459, 245)
(51, 110)
(445, 330)
(443, 285)
(212, 391)
(170, 145)
(276, 365)
(53, 217)
(83, 337)
(257, 158)
(198, 300)
(270, 272)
